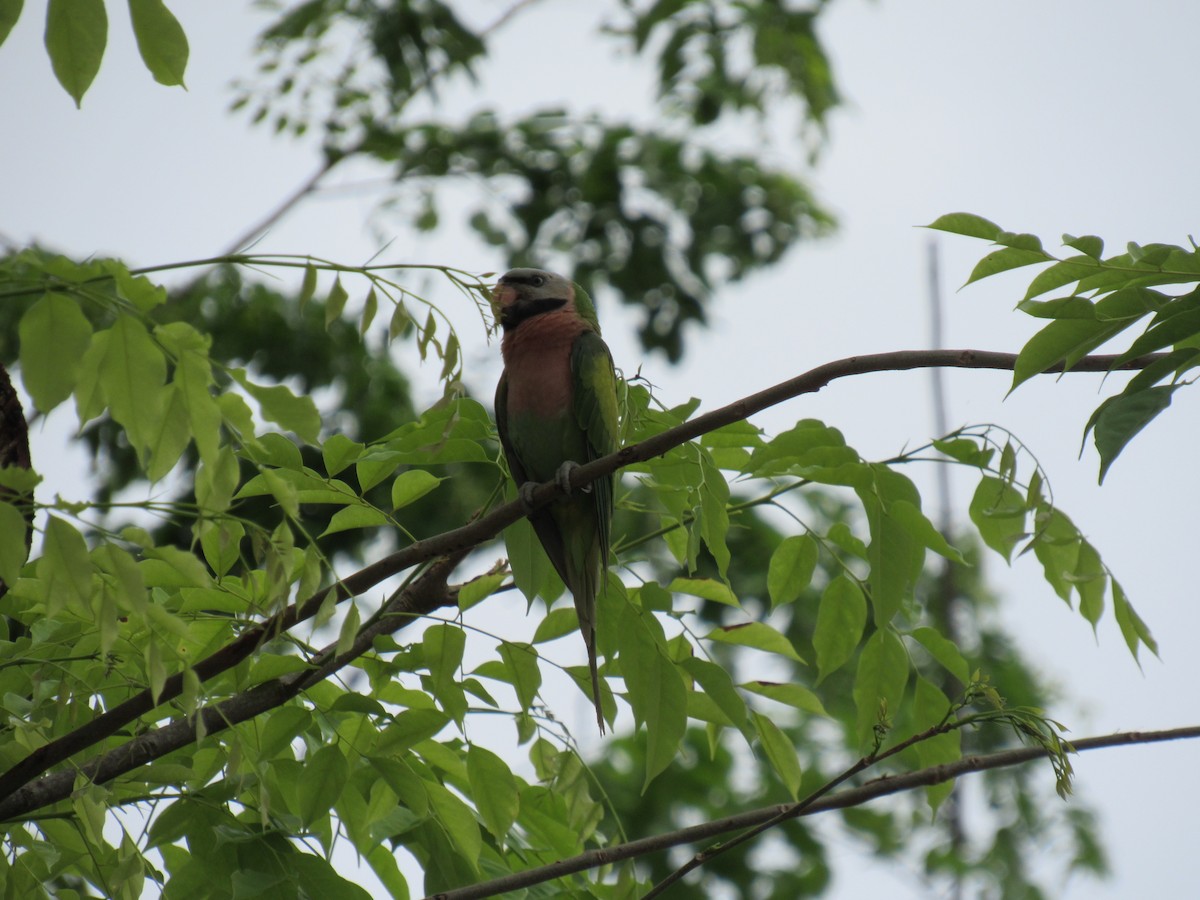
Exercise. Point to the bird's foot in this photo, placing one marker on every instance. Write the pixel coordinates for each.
(525, 494)
(563, 477)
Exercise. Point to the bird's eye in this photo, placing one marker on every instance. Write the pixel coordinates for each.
(537, 280)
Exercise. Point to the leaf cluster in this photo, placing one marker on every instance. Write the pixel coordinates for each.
(1105, 299)
(77, 33)
(194, 645)
(660, 215)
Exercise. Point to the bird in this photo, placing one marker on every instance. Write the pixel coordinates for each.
(556, 408)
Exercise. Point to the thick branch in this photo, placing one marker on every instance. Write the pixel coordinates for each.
(879, 787)
(474, 533)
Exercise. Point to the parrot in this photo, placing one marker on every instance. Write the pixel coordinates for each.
(556, 407)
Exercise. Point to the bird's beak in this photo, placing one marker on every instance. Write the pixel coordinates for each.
(504, 301)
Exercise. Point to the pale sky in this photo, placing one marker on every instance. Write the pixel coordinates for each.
(1075, 116)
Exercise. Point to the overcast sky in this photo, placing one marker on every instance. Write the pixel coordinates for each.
(1046, 117)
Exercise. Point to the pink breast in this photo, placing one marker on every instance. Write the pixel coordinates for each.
(537, 360)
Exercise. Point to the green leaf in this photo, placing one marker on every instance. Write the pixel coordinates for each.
(281, 406)
(719, 686)
(791, 568)
(411, 485)
(458, 820)
(216, 482)
(315, 877)
(557, 623)
(1120, 418)
(193, 380)
(352, 517)
(387, 870)
(13, 529)
(1061, 273)
(336, 303)
(494, 790)
(930, 707)
(479, 589)
(1059, 308)
(338, 452)
(171, 436)
(713, 515)
(895, 555)
(1089, 244)
(221, 544)
(349, 630)
(998, 511)
(521, 661)
(54, 336)
(1066, 341)
(64, 568)
(705, 589)
(780, 753)
(1090, 580)
(841, 618)
(10, 11)
(879, 684)
(1172, 330)
(76, 32)
(791, 694)
(410, 728)
(370, 309)
(655, 689)
(758, 635)
(1056, 545)
(909, 517)
(89, 391)
(133, 372)
(308, 286)
(443, 647)
(1004, 259)
(325, 775)
(1133, 629)
(944, 651)
(531, 569)
(967, 224)
(160, 40)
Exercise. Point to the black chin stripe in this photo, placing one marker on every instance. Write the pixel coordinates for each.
(514, 315)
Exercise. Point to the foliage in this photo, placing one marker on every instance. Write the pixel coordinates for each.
(1108, 296)
(782, 616)
(384, 755)
(660, 215)
(77, 33)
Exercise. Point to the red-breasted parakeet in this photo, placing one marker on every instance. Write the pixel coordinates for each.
(556, 405)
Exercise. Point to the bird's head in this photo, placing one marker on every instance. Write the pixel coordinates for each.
(524, 293)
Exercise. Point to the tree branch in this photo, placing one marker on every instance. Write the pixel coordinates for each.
(427, 593)
(879, 787)
(468, 536)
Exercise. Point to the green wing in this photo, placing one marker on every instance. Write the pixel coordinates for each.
(595, 394)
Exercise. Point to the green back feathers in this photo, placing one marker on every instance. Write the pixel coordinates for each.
(596, 414)
(585, 307)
